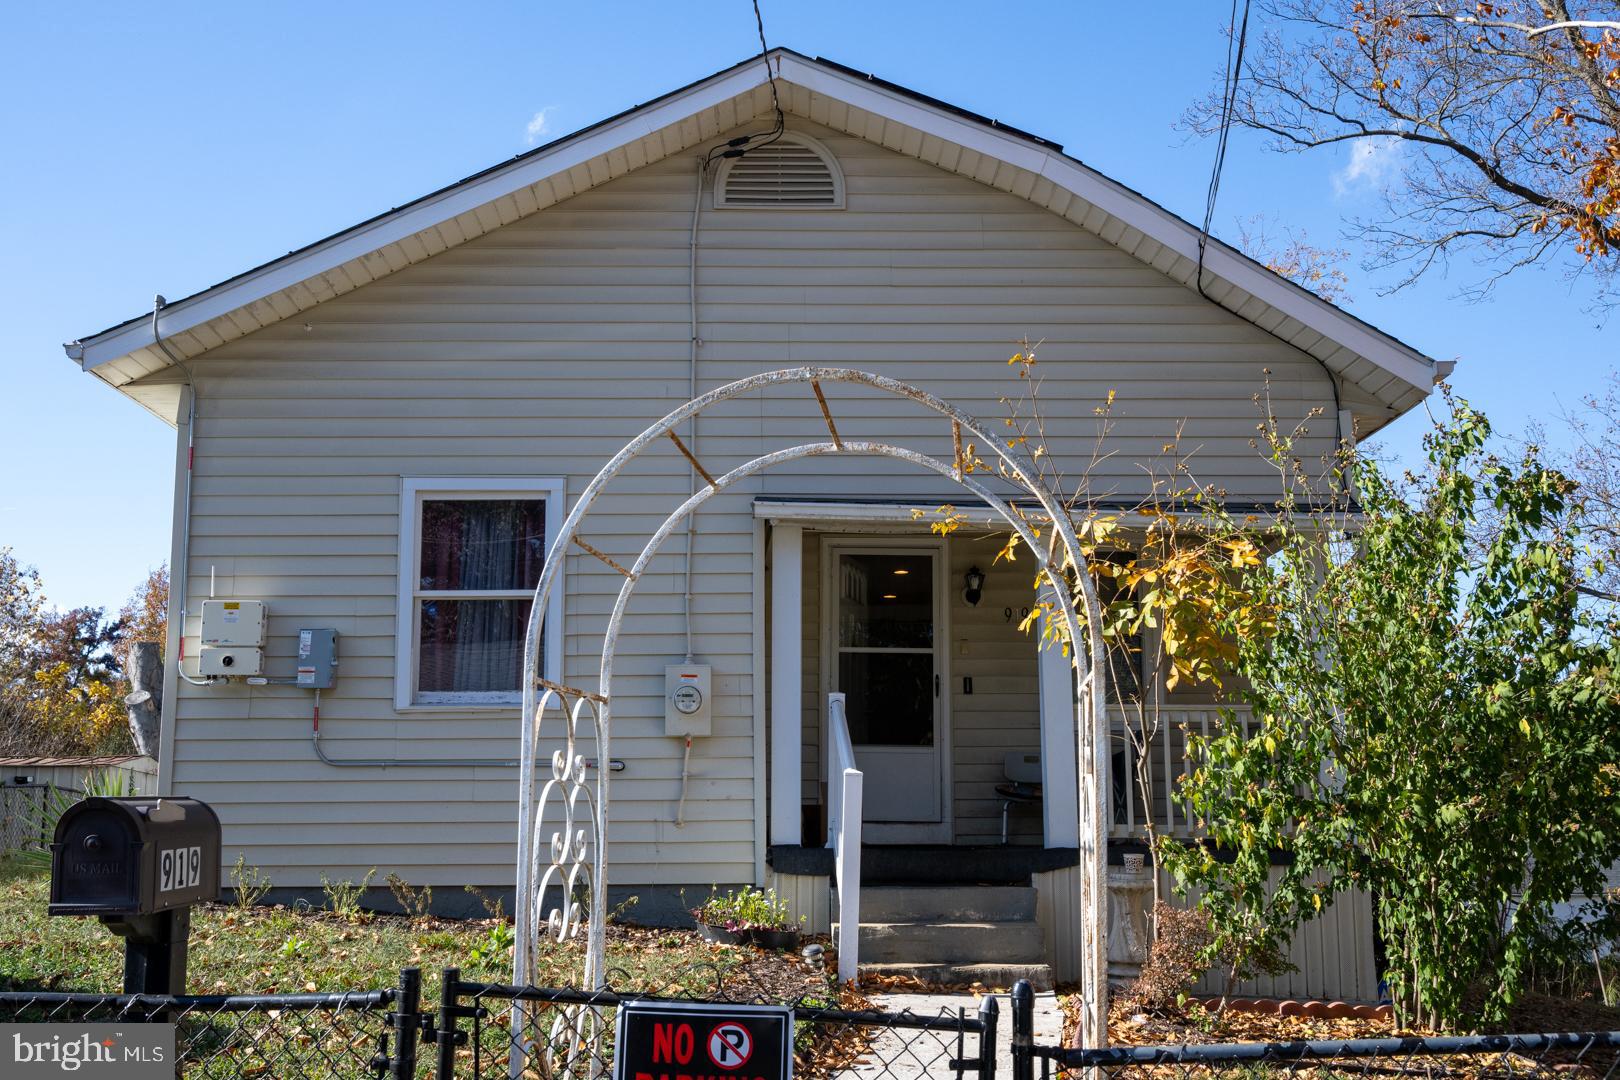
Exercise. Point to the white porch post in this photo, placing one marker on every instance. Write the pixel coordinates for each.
(787, 668)
(1060, 792)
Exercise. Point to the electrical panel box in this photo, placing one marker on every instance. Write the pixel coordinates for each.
(686, 699)
(230, 661)
(233, 622)
(317, 658)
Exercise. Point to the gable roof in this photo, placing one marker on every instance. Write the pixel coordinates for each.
(1385, 370)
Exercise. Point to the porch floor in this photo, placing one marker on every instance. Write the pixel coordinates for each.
(931, 864)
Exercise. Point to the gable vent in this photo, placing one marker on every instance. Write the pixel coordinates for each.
(794, 172)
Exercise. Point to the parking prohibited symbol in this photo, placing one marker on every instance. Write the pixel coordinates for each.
(730, 1045)
(690, 1040)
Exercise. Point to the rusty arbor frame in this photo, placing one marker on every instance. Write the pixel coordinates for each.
(573, 859)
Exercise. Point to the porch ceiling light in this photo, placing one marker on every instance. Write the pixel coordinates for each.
(975, 586)
(891, 596)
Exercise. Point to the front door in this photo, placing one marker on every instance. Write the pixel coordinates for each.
(884, 654)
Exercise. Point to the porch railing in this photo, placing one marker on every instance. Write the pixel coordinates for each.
(1166, 758)
(844, 784)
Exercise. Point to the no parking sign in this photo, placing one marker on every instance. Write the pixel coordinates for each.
(679, 1040)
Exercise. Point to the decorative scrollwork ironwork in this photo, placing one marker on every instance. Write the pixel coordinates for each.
(561, 879)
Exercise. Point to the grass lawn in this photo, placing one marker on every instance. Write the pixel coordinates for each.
(268, 950)
(262, 950)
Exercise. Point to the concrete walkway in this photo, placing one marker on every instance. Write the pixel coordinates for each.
(907, 1054)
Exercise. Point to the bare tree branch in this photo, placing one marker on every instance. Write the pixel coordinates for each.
(1508, 113)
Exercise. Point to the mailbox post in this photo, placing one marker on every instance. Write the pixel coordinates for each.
(138, 865)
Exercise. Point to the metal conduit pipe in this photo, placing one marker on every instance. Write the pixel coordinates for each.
(177, 580)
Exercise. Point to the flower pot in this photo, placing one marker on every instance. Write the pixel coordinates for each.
(776, 940)
(719, 935)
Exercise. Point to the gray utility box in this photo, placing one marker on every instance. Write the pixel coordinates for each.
(126, 857)
(317, 659)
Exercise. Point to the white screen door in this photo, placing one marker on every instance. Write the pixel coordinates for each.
(885, 658)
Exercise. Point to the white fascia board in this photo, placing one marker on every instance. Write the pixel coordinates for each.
(1125, 206)
(797, 512)
(330, 254)
(835, 514)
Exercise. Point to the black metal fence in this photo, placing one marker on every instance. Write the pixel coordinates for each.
(481, 1028)
(338, 1036)
(1590, 1054)
(487, 1030)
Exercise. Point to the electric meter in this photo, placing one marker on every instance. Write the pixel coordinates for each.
(686, 700)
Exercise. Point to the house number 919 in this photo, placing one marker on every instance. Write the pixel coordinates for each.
(179, 868)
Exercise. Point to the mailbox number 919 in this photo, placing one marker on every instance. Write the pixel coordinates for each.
(179, 868)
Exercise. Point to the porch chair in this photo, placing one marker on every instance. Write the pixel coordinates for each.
(1023, 772)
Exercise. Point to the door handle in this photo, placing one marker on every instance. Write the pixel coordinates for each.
(936, 684)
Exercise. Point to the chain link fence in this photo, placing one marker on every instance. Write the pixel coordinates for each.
(28, 814)
(339, 1036)
(484, 1030)
(1592, 1054)
(487, 1030)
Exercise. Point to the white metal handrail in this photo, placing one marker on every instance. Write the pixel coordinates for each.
(844, 789)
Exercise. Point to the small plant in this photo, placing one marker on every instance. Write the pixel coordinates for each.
(437, 939)
(1176, 962)
(747, 908)
(293, 947)
(495, 947)
(494, 907)
(414, 900)
(617, 915)
(250, 883)
(343, 897)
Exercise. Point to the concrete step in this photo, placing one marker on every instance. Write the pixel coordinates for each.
(990, 976)
(946, 903)
(950, 942)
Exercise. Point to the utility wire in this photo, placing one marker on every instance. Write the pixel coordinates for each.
(1236, 39)
(737, 147)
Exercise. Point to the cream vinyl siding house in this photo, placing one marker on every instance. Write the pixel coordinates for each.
(504, 344)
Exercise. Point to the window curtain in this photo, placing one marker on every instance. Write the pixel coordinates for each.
(476, 645)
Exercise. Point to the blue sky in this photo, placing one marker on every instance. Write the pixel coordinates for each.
(163, 149)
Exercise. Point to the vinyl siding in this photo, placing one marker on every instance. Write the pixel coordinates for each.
(539, 349)
(1003, 712)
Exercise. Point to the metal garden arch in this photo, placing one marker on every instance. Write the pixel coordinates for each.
(574, 854)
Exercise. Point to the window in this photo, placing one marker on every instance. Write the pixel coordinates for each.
(470, 555)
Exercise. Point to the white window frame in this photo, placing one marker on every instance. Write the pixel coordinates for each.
(414, 490)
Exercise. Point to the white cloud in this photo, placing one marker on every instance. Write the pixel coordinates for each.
(1373, 164)
(540, 124)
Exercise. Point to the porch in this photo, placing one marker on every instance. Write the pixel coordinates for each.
(894, 688)
(898, 663)
(967, 724)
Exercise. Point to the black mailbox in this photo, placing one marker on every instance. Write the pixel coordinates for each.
(139, 864)
(122, 857)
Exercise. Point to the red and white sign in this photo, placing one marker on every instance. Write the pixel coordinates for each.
(730, 1045)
